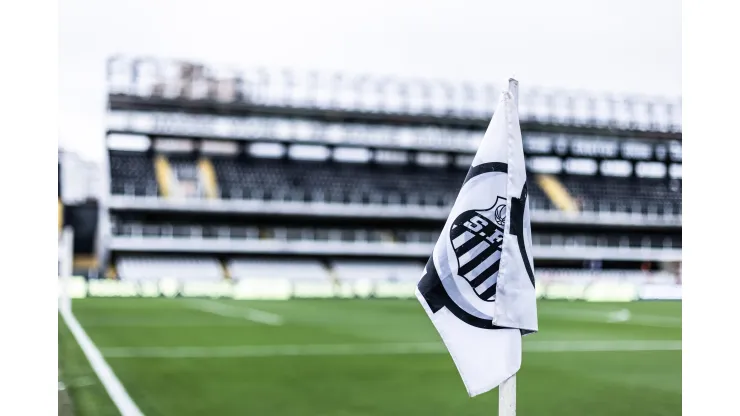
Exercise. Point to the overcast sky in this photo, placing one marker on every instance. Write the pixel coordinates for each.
(623, 46)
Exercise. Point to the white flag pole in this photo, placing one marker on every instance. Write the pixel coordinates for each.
(514, 90)
(507, 397)
(507, 389)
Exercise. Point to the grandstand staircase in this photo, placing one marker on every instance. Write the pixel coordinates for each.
(557, 193)
(111, 272)
(164, 174)
(225, 269)
(207, 175)
(170, 186)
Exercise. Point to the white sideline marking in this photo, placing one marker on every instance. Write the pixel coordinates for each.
(230, 311)
(618, 316)
(622, 315)
(105, 374)
(377, 349)
(160, 323)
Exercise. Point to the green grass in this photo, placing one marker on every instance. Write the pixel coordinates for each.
(550, 383)
(87, 394)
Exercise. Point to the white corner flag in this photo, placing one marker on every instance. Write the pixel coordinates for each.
(478, 285)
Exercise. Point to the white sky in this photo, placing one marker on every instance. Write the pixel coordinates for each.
(625, 46)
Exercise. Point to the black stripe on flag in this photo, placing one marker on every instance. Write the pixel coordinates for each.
(488, 293)
(485, 274)
(467, 246)
(485, 168)
(475, 261)
(457, 231)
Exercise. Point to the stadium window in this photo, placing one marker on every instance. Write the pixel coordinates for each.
(651, 169)
(132, 142)
(637, 150)
(536, 143)
(352, 154)
(217, 147)
(616, 168)
(545, 164)
(267, 150)
(391, 156)
(308, 152)
(675, 150)
(676, 171)
(173, 145)
(431, 159)
(580, 166)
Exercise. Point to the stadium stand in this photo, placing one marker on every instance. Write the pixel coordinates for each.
(182, 268)
(132, 173)
(630, 194)
(351, 183)
(285, 268)
(349, 270)
(133, 228)
(254, 167)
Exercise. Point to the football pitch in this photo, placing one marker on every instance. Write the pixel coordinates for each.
(364, 357)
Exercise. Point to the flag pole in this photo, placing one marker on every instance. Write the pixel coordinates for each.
(507, 397)
(507, 389)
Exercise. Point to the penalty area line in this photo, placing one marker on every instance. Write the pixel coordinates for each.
(378, 349)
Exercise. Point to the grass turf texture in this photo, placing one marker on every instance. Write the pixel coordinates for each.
(87, 395)
(372, 366)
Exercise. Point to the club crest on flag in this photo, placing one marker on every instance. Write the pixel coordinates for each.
(478, 284)
(476, 237)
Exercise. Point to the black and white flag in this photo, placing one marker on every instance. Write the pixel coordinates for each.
(478, 285)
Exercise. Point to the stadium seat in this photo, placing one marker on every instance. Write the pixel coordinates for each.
(361, 183)
(625, 194)
(333, 182)
(348, 270)
(595, 238)
(155, 268)
(291, 268)
(132, 173)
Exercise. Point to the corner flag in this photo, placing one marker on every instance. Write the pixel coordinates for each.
(478, 284)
